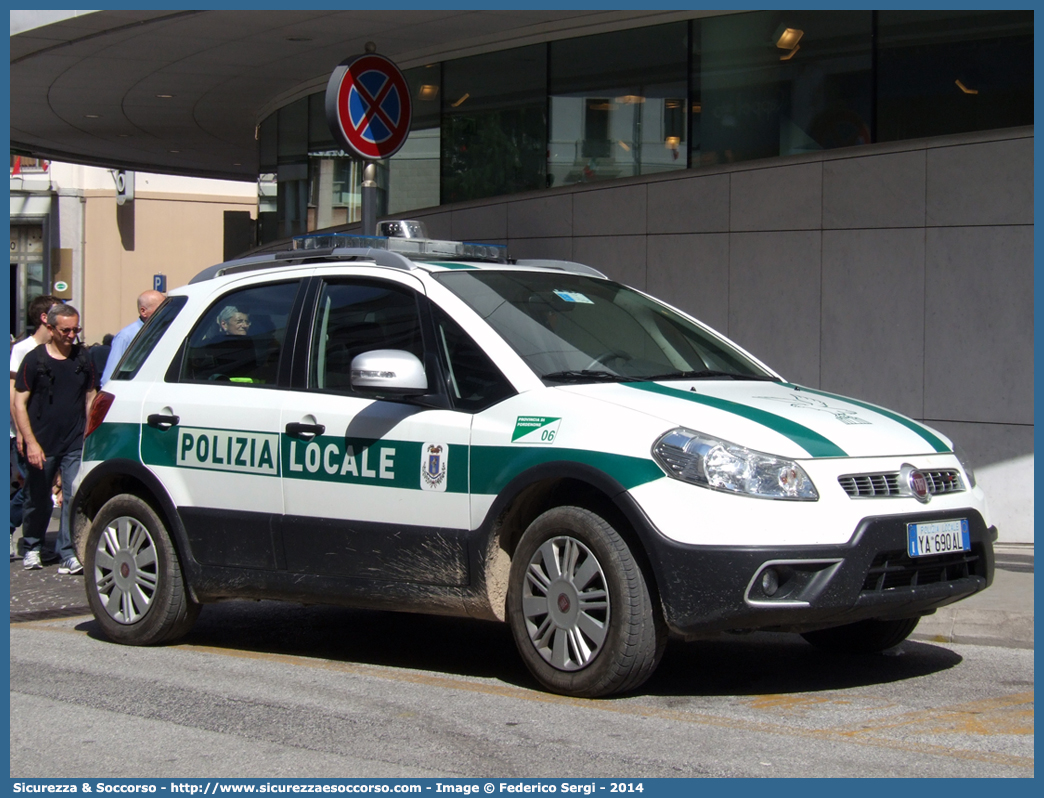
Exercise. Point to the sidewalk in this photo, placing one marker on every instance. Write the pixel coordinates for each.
(999, 616)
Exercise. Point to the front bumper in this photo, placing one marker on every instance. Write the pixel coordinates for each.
(709, 589)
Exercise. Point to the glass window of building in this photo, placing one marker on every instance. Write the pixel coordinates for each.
(773, 83)
(413, 172)
(618, 104)
(945, 72)
(494, 132)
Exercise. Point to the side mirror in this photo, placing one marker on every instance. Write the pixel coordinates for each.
(393, 372)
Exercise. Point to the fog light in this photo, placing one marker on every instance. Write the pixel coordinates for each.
(769, 582)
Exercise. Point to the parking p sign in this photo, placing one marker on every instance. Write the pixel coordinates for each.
(159, 283)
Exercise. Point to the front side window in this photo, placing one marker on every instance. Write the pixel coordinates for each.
(240, 337)
(473, 381)
(571, 328)
(359, 316)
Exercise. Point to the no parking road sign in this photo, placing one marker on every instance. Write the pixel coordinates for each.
(368, 106)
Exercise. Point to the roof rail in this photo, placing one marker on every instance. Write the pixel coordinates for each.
(562, 266)
(271, 260)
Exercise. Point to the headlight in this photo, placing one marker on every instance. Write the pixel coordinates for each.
(720, 465)
(962, 458)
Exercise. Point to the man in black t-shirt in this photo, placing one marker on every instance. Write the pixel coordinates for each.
(53, 390)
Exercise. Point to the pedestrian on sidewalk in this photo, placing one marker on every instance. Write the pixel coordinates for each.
(38, 334)
(53, 392)
(147, 304)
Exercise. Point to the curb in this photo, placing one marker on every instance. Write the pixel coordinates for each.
(977, 627)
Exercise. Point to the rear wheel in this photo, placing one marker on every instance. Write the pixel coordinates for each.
(579, 607)
(863, 637)
(133, 577)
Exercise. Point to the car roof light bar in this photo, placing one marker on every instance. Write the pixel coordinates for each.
(406, 247)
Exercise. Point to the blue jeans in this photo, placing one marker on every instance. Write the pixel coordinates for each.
(37, 513)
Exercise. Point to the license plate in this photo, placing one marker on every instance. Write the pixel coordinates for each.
(937, 537)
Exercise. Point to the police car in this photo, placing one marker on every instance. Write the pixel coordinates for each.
(428, 426)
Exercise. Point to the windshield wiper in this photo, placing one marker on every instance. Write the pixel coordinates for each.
(583, 375)
(709, 374)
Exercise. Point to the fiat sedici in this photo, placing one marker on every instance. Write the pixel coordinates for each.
(426, 426)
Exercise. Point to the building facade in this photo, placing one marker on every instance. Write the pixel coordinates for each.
(72, 235)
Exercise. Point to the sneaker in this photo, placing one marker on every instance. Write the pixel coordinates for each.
(32, 561)
(71, 566)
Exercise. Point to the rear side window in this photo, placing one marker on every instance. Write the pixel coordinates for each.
(240, 338)
(147, 338)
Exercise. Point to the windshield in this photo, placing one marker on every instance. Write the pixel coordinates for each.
(572, 328)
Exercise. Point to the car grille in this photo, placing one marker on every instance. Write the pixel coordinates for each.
(867, 486)
(893, 569)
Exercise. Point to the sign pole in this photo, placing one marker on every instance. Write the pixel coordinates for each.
(369, 111)
(369, 199)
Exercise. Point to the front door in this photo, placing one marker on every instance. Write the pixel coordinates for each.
(372, 489)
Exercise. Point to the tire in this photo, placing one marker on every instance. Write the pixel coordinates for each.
(579, 607)
(863, 637)
(133, 577)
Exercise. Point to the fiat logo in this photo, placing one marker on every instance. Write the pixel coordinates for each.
(918, 485)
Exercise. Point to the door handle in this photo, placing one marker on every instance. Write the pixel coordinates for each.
(307, 431)
(162, 422)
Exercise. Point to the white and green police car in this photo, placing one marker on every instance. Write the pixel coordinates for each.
(430, 427)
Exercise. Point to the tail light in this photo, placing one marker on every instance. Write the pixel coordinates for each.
(100, 408)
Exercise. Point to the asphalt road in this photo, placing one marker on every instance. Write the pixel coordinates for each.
(264, 689)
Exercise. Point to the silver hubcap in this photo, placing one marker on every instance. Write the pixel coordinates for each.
(125, 569)
(565, 602)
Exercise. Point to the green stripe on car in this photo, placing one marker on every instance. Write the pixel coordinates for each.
(377, 462)
(809, 440)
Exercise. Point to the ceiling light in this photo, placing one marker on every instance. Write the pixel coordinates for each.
(624, 146)
(791, 54)
(672, 142)
(965, 89)
(460, 102)
(427, 92)
(92, 116)
(175, 152)
(165, 96)
(630, 99)
(788, 38)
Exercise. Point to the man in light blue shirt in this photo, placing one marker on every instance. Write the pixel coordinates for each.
(147, 304)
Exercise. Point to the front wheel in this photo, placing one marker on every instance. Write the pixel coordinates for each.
(133, 577)
(863, 637)
(580, 610)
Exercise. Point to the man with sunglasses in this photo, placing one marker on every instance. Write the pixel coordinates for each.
(53, 391)
(38, 334)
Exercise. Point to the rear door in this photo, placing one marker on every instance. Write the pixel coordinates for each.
(211, 430)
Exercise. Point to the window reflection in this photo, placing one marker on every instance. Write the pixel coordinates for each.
(945, 72)
(493, 124)
(774, 83)
(617, 104)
